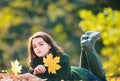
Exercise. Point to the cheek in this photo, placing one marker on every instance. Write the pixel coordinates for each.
(49, 47)
(34, 50)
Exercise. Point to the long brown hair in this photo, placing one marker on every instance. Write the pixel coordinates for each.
(55, 49)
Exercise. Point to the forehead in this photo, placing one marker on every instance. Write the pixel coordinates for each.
(37, 40)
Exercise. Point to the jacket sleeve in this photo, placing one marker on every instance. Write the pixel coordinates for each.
(65, 71)
(62, 74)
(30, 71)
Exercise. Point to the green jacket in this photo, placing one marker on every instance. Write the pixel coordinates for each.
(67, 72)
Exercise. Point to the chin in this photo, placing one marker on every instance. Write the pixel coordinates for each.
(39, 55)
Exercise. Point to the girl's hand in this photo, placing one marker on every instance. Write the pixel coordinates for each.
(39, 69)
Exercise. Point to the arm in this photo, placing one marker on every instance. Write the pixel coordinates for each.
(65, 70)
(62, 74)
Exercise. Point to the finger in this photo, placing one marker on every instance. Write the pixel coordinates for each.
(42, 69)
(37, 71)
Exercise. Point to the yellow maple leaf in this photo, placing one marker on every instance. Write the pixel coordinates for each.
(16, 69)
(52, 63)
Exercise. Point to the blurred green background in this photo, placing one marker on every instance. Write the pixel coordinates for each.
(65, 21)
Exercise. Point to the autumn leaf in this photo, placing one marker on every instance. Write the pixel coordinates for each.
(52, 63)
(15, 67)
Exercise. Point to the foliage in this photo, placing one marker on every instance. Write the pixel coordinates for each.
(106, 22)
(10, 77)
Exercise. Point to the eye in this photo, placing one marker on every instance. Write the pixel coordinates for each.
(41, 44)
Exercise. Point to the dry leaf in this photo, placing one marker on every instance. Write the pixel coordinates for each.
(16, 69)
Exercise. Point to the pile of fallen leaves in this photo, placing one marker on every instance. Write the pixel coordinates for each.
(10, 77)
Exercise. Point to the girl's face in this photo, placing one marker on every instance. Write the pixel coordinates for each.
(40, 47)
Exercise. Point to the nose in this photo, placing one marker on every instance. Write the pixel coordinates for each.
(37, 49)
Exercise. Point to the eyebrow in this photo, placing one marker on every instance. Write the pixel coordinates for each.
(38, 43)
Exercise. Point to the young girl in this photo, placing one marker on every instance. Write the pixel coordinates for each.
(48, 61)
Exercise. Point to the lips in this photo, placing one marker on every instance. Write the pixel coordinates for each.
(39, 52)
